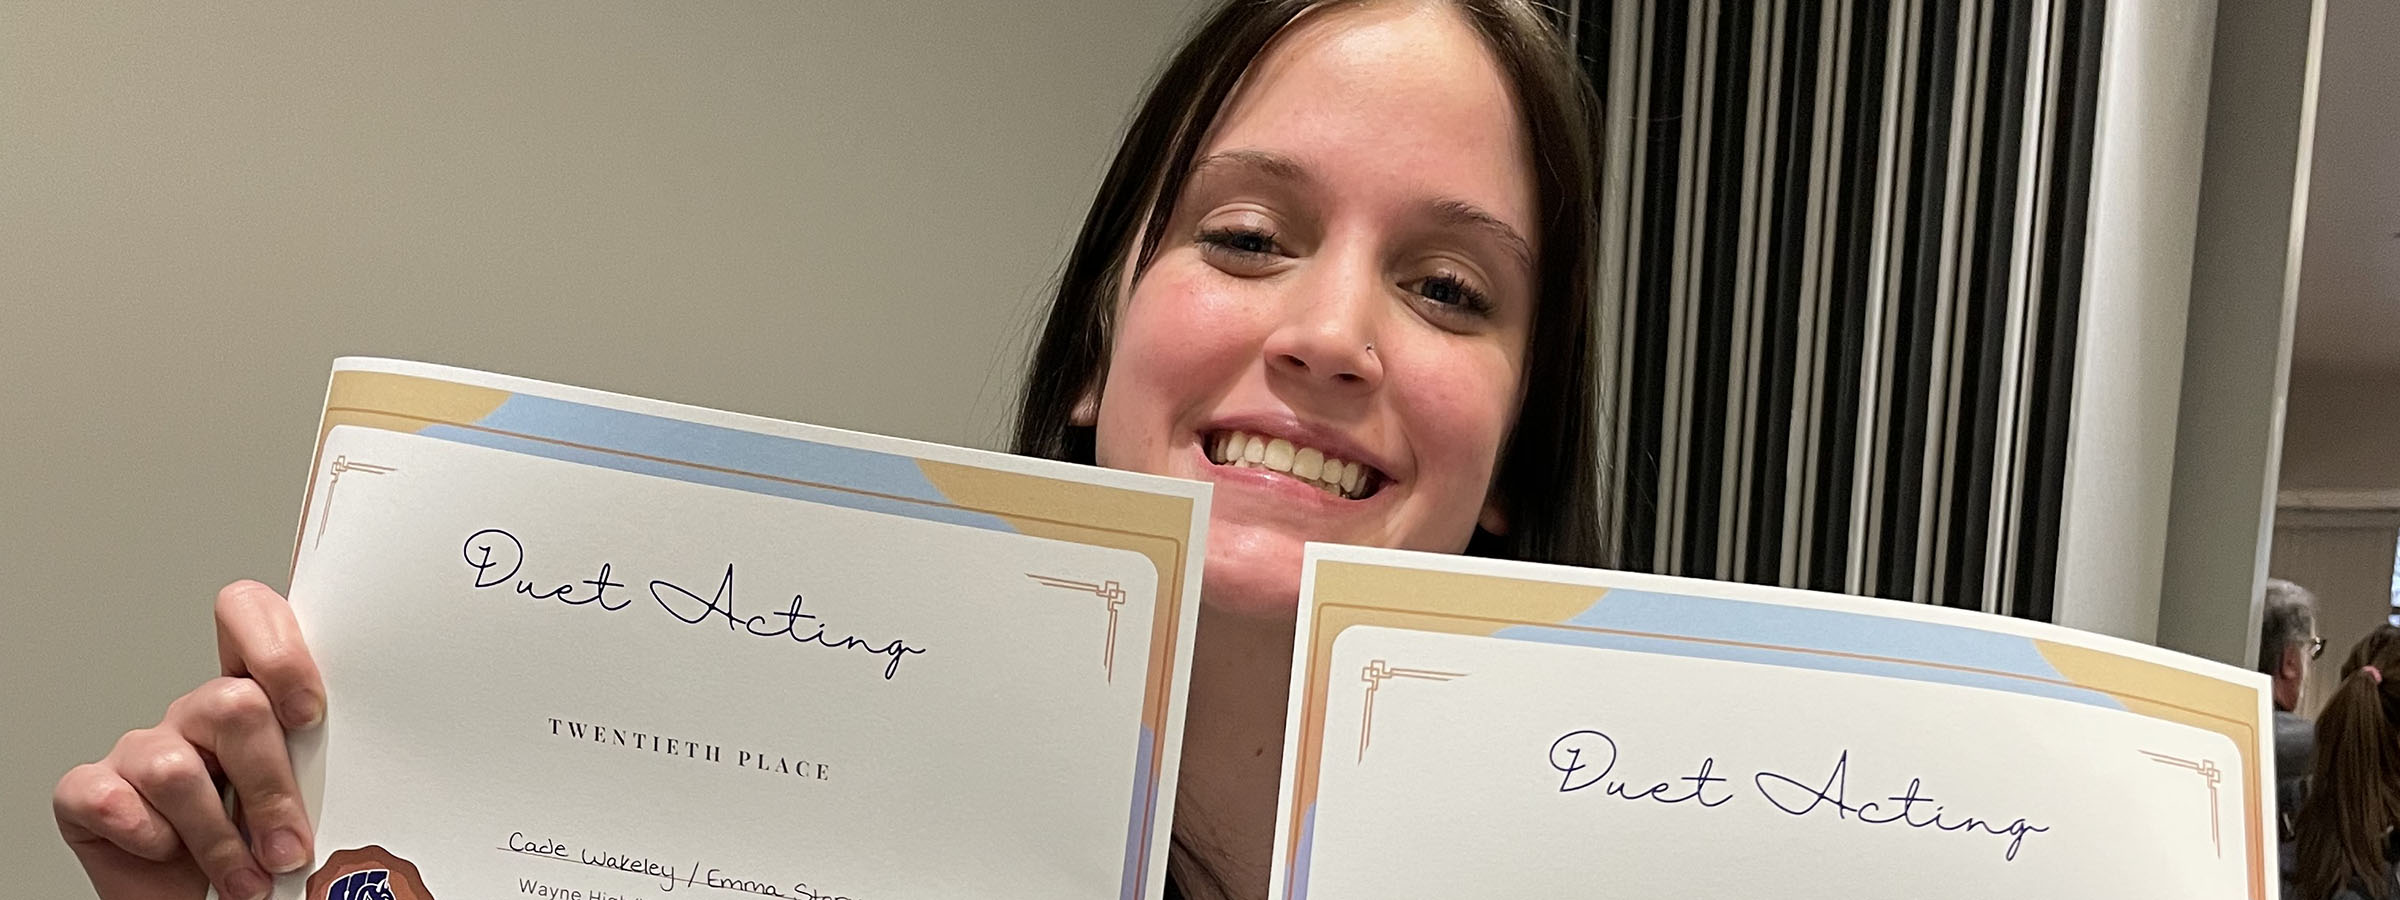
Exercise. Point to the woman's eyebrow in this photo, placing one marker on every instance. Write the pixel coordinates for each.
(1461, 214)
(1272, 165)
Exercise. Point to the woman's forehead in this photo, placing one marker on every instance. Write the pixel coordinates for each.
(1387, 98)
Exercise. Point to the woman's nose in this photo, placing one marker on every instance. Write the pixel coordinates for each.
(1329, 333)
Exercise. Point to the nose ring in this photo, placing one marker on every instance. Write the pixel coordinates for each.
(1370, 349)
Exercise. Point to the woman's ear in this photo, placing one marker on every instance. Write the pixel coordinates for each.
(1494, 518)
(1086, 413)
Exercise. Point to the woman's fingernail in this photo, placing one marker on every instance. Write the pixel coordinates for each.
(247, 884)
(304, 709)
(285, 854)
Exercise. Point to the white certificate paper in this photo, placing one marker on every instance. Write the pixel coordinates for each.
(581, 646)
(1475, 728)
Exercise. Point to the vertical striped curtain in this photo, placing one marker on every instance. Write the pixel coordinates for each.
(1842, 256)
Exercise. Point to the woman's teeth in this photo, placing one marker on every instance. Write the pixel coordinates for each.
(1334, 476)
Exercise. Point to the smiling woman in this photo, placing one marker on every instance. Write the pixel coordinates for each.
(1340, 267)
(1419, 153)
(1342, 270)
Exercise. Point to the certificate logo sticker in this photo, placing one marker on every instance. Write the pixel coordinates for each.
(367, 873)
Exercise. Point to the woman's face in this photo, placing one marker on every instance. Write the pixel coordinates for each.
(1333, 330)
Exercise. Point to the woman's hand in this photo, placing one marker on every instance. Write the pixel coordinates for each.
(148, 821)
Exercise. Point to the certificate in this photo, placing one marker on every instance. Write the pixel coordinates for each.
(581, 646)
(1476, 728)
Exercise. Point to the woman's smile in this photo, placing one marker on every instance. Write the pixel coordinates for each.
(1325, 462)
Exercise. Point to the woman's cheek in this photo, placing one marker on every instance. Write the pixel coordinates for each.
(1461, 410)
(1178, 339)
(1468, 401)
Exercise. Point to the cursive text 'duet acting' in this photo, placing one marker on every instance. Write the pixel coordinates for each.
(496, 556)
(1586, 758)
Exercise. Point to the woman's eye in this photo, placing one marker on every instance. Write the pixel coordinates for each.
(1244, 242)
(1452, 291)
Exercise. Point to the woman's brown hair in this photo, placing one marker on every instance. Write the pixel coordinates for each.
(2353, 803)
(1548, 475)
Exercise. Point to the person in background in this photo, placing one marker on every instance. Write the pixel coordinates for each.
(2345, 847)
(2287, 641)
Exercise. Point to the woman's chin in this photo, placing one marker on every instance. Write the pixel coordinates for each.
(1251, 574)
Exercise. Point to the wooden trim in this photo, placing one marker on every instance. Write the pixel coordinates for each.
(2338, 501)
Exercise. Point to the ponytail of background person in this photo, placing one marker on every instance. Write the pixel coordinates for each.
(2345, 826)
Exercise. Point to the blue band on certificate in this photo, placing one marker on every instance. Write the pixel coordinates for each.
(709, 454)
(1824, 639)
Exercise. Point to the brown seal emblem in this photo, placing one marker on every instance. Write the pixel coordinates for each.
(367, 873)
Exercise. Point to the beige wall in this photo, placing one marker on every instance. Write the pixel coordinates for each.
(837, 212)
(2342, 429)
(2341, 434)
(2263, 84)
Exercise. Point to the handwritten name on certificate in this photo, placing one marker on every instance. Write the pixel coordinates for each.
(581, 646)
(1476, 728)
